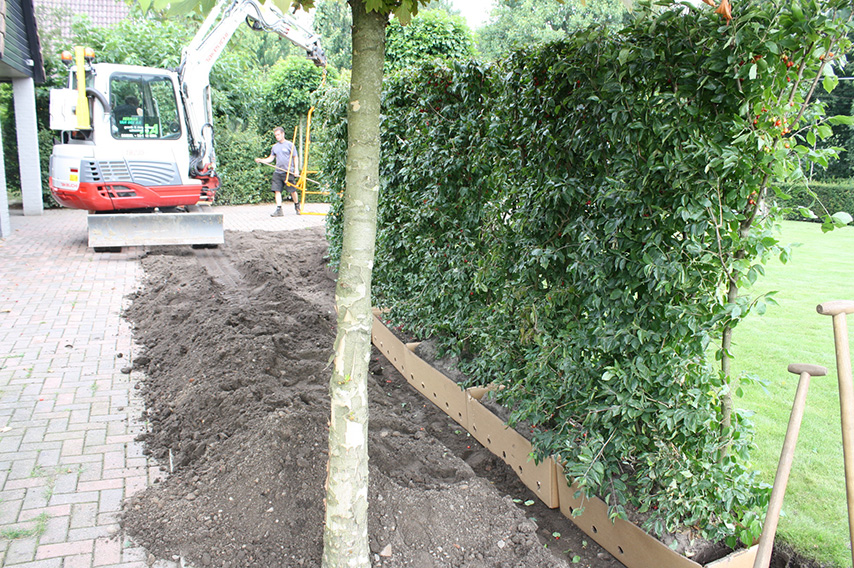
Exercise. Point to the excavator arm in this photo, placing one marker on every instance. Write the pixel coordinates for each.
(201, 54)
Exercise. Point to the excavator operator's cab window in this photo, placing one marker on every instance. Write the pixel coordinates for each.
(144, 107)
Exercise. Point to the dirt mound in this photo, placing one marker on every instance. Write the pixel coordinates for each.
(237, 343)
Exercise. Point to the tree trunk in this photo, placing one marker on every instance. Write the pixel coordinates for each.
(345, 538)
(726, 369)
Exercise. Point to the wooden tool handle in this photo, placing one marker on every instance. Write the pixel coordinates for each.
(811, 370)
(834, 307)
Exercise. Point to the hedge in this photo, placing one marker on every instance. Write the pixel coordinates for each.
(828, 197)
(572, 223)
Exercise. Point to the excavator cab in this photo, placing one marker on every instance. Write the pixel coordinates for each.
(143, 108)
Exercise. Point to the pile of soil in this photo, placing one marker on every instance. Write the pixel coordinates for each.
(236, 349)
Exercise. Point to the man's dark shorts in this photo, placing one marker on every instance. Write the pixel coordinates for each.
(280, 179)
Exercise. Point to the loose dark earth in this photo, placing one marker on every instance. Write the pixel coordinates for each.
(237, 342)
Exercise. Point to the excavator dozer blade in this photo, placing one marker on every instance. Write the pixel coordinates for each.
(138, 229)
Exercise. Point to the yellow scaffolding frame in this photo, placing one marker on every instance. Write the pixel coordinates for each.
(304, 171)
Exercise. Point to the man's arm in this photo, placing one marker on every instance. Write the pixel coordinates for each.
(269, 159)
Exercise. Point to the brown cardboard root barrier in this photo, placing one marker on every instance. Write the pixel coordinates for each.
(625, 541)
(442, 391)
(513, 448)
(628, 543)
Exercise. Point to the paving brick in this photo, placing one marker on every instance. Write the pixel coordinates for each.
(96, 437)
(134, 554)
(110, 500)
(107, 551)
(110, 519)
(66, 479)
(24, 483)
(10, 444)
(101, 484)
(72, 498)
(72, 445)
(77, 561)
(56, 511)
(84, 515)
(56, 530)
(135, 484)
(38, 497)
(48, 563)
(99, 530)
(114, 459)
(90, 463)
(64, 549)
(58, 424)
(23, 465)
(49, 454)
(21, 550)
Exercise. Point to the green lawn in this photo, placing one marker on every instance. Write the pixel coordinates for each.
(814, 517)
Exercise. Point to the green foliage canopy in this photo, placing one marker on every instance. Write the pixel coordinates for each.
(434, 33)
(287, 92)
(516, 24)
(332, 22)
(438, 31)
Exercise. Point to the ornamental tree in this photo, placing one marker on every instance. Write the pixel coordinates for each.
(345, 539)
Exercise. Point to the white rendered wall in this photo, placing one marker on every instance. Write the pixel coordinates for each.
(28, 145)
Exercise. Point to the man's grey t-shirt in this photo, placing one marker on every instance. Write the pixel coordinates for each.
(286, 156)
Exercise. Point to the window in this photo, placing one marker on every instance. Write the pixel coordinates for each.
(144, 107)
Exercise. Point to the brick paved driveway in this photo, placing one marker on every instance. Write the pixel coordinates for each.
(68, 406)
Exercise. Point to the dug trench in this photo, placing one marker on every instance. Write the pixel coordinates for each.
(235, 351)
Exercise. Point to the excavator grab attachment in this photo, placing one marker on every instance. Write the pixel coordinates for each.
(115, 230)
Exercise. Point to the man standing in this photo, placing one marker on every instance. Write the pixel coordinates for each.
(287, 159)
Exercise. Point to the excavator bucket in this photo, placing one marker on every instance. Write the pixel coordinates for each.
(138, 229)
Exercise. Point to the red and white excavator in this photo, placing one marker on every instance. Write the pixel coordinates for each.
(136, 144)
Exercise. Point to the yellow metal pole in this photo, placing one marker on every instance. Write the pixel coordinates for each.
(82, 110)
(304, 172)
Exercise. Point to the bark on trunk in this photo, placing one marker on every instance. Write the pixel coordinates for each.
(345, 538)
(726, 368)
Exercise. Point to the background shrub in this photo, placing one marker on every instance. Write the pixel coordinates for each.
(243, 181)
(830, 196)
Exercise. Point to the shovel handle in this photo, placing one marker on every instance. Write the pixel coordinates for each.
(811, 370)
(838, 309)
(835, 307)
(781, 479)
